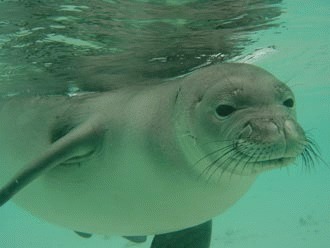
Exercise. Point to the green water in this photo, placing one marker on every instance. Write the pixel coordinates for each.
(284, 208)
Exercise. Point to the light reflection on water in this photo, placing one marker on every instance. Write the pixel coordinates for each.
(48, 46)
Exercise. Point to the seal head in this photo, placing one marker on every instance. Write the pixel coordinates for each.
(241, 119)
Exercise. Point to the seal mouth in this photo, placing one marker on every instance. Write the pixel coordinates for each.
(244, 164)
(278, 162)
(249, 160)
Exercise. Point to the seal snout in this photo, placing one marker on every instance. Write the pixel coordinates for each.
(266, 139)
(261, 130)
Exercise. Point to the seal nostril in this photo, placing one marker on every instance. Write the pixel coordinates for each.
(247, 131)
(288, 103)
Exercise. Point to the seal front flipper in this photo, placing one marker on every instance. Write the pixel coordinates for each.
(193, 237)
(79, 142)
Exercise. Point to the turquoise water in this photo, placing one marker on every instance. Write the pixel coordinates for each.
(284, 208)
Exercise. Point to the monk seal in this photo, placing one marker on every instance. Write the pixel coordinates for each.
(145, 160)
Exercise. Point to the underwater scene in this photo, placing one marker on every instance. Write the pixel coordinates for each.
(89, 84)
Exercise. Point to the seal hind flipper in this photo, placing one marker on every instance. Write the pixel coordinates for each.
(136, 239)
(79, 142)
(83, 234)
(193, 237)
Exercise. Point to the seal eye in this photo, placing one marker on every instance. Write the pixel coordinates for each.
(288, 103)
(225, 110)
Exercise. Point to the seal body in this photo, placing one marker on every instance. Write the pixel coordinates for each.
(158, 158)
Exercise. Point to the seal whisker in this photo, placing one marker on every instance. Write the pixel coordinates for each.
(211, 153)
(229, 159)
(217, 141)
(251, 159)
(237, 156)
(313, 148)
(228, 149)
(226, 163)
(270, 154)
(306, 162)
(310, 153)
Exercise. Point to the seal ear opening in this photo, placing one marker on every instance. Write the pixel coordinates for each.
(77, 142)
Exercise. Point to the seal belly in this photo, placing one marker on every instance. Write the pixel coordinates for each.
(129, 191)
(137, 198)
